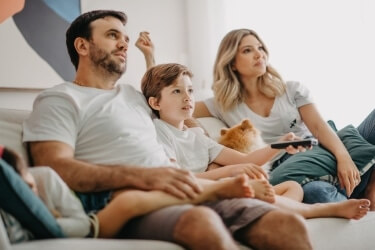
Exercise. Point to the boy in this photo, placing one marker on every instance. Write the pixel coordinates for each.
(169, 92)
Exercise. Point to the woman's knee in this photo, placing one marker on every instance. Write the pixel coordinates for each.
(321, 192)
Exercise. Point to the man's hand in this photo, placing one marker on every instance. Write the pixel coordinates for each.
(145, 45)
(177, 182)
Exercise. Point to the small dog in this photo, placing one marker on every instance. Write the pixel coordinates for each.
(244, 138)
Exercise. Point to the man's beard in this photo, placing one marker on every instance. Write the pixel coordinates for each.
(102, 59)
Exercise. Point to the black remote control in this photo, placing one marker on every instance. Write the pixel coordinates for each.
(304, 143)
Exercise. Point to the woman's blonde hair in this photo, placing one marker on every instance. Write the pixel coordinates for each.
(227, 88)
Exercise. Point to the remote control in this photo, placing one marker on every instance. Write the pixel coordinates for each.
(305, 143)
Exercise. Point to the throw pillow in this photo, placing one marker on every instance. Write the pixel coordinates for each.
(17, 199)
(319, 164)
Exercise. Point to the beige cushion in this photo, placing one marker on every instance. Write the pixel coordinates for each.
(212, 126)
(11, 129)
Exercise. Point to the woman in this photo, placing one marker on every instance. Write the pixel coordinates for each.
(246, 86)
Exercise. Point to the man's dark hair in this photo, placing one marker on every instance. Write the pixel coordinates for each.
(80, 27)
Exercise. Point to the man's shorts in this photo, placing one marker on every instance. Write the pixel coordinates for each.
(160, 224)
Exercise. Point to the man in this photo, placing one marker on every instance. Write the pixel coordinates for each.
(99, 137)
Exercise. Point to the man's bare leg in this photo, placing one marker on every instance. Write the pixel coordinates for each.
(127, 204)
(202, 228)
(370, 190)
(349, 209)
(276, 230)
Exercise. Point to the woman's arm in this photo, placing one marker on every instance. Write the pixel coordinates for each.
(347, 172)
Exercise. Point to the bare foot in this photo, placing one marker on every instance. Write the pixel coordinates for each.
(234, 187)
(263, 190)
(349, 209)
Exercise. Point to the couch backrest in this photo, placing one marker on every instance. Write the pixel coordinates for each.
(11, 129)
(212, 126)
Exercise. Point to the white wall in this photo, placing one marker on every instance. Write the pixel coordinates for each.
(326, 45)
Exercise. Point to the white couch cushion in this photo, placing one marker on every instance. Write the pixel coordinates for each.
(11, 129)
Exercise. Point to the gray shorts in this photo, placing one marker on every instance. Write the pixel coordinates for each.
(159, 225)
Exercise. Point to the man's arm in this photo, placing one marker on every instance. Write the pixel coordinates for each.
(86, 177)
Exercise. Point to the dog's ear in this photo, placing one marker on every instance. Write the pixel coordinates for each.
(246, 124)
(223, 131)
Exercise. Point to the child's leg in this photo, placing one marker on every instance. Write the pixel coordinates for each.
(290, 189)
(129, 204)
(350, 209)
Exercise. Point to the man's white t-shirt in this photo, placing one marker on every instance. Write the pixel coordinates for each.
(284, 116)
(102, 126)
(190, 148)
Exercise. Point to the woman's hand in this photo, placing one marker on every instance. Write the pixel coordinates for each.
(348, 174)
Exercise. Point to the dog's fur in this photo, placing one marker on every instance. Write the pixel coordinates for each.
(243, 137)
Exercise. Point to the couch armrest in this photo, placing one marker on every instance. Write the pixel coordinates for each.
(4, 240)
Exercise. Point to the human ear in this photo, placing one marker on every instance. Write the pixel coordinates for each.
(153, 102)
(81, 46)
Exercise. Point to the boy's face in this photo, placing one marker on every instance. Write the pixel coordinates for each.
(30, 181)
(177, 102)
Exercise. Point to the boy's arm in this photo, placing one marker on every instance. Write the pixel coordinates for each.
(252, 170)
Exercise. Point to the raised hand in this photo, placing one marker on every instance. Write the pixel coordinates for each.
(145, 45)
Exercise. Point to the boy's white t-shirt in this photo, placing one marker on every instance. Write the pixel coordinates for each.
(284, 116)
(56, 195)
(102, 126)
(190, 148)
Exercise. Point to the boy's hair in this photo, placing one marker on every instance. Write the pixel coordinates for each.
(13, 159)
(158, 77)
(81, 27)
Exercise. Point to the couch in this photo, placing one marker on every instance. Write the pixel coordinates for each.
(325, 233)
